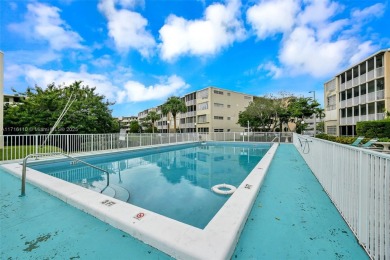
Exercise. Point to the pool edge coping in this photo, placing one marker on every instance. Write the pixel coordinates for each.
(216, 241)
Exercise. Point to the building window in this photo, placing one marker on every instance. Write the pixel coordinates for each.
(331, 130)
(218, 117)
(218, 130)
(204, 94)
(218, 92)
(202, 119)
(203, 129)
(218, 105)
(331, 103)
(203, 106)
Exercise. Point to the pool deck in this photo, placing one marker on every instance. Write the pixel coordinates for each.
(293, 219)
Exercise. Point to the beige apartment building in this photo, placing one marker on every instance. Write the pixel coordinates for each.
(359, 93)
(208, 110)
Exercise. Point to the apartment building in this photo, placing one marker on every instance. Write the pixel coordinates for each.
(359, 93)
(208, 110)
(217, 110)
(12, 99)
(124, 121)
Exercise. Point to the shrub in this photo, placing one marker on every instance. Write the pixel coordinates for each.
(371, 129)
(337, 139)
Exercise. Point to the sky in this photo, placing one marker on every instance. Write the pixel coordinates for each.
(139, 53)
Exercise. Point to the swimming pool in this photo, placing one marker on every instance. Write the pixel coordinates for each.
(174, 183)
(216, 240)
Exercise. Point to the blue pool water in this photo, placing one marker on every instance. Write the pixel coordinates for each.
(173, 181)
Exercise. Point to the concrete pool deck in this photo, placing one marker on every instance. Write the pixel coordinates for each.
(293, 219)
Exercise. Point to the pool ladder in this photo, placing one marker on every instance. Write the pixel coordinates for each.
(36, 155)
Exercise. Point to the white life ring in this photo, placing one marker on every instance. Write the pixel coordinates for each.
(224, 189)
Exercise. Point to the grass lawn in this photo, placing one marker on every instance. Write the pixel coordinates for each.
(18, 152)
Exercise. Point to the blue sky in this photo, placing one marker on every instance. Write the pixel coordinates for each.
(138, 53)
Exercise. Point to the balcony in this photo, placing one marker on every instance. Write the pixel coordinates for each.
(380, 116)
(342, 86)
(355, 101)
(349, 102)
(356, 81)
(348, 84)
(355, 120)
(363, 79)
(190, 114)
(379, 72)
(370, 75)
(349, 120)
(371, 97)
(380, 94)
(343, 121)
(343, 103)
(370, 117)
(363, 99)
(191, 102)
(363, 118)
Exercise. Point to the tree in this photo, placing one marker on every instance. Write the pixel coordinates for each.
(174, 105)
(134, 127)
(301, 108)
(152, 117)
(38, 112)
(260, 113)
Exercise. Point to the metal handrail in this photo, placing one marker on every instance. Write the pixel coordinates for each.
(23, 192)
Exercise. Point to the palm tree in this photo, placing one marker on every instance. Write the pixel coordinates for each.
(152, 117)
(174, 105)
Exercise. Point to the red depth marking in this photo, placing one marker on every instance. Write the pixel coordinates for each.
(140, 215)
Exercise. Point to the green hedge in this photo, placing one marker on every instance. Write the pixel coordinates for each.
(370, 129)
(346, 139)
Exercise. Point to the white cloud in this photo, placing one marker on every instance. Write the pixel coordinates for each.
(103, 61)
(127, 28)
(314, 42)
(220, 27)
(363, 50)
(303, 53)
(168, 86)
(375, 10)
(43, 22)
(271, 17)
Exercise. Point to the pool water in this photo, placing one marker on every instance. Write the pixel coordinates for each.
(174, 182)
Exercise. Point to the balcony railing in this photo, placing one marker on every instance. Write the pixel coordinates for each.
(356, 81)
(371, 97)
(190, 114)
(350, 120)
(349, 102)
(348, 84)
(370, 117)
(380, 94)
(380, 116)
(363, 99)
(343, 121)
(379, 72)
(342, 86)
(370, 75)
(363, 118)
(356, 101)
(363, 78)
(343, 103)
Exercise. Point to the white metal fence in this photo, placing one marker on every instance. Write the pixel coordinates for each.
(358, 182)
(19, 146)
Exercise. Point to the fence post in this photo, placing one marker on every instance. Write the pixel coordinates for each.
(176, 137)
(91, 142)
(140, 139)
(67, 144)
(151, 139)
